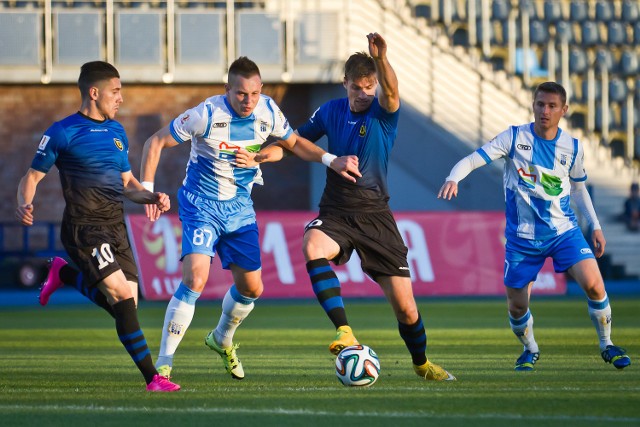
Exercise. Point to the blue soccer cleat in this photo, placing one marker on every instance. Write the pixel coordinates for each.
(617, 356)
(526, 361)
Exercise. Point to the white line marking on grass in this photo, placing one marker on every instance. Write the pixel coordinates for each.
(311, 413)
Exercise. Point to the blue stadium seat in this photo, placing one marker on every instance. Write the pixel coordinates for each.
(545, 60)
(597, 93)
(617, 90)
(590, 34)
(630, 12)
(578, 61)
(422, 11)
(616, 33)
(636, 33)
(629, 63)
(605, 60)
(538, 32)
(552, 11)
(624, 117)
(600, 119)
(500, 10)
(604, 11)
(564, 32)
(535, 70)
(578, 11)
(529, 7)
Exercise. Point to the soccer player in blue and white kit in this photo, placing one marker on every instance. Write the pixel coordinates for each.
(356, 215)
(90, 150)
(543, 172)
(216, 209)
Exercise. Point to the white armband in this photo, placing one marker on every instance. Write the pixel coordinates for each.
(148, 185)
(327, 158)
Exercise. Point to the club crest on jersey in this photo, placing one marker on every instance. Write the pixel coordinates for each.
(563, 159)
(363, 130)
(263, 126)
(118, 143)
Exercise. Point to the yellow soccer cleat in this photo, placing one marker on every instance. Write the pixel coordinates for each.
(344, 338)
(431, 371)
(229, 358)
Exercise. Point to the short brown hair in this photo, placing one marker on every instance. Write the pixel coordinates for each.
(552, 87)
(359, 65)
(244, 67)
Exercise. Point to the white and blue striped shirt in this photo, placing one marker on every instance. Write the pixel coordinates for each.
(215, 132)
(537, 176)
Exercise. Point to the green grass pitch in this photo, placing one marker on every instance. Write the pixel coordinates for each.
(62, 366)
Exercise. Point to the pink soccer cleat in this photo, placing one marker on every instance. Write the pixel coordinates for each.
(53, 282)
(161, 383)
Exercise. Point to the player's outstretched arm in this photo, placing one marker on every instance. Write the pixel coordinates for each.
(389, 94)
(151, 153)
(346, 166)
(26, 193)
(155, 203)
(273, 152)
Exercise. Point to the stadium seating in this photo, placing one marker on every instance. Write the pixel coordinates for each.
(601, 35)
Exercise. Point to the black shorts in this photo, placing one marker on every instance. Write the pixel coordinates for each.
(99, 250)
(375, 238)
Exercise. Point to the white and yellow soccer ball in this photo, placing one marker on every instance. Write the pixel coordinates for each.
(357, 365)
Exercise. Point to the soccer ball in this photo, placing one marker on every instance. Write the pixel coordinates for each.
(357, 365)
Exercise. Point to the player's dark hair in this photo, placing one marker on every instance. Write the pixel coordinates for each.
(244, 67)
(94, 72)
(552, 87)
(359, 65)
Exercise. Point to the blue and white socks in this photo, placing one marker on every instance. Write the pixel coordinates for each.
(235, 308)
(177, 319)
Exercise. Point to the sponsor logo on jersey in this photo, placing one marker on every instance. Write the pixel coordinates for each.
(351, 123)
(118, 143)
(314, 223)
(98, 130)
(551, 184)
(219, 125)
(585, 251)
(43, 142)
(363, 130)
(184, 119)
(526, 179)
(524, 147)
(286, 124)
(403, 268)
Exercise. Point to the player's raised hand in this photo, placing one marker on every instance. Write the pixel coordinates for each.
(377, 45)
(24, 214)
(245, 159)
(448, 190)
(347, 166)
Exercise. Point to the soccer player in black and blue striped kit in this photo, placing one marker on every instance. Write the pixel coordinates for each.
(356, 215)
(90, 150)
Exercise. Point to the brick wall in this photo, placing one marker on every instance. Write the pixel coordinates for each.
(27, 110)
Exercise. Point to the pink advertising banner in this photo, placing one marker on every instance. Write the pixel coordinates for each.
(450, 254)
